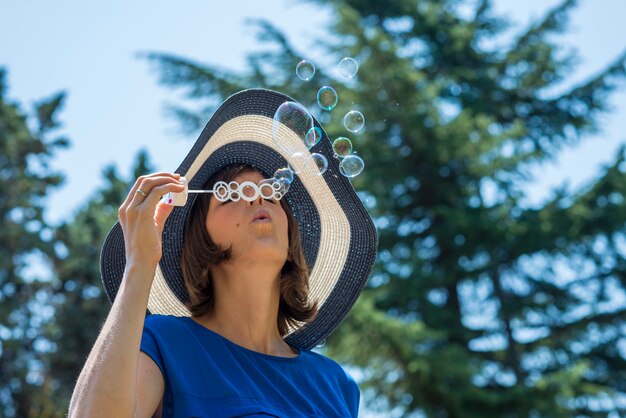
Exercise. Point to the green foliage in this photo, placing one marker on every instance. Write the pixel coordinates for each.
(26, 147)
(479, 305)
(78, 297)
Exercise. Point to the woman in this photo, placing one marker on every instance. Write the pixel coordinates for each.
(229, 278)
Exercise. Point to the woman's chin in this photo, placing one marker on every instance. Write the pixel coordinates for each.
(264, 251)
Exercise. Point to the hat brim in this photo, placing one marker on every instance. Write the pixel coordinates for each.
(338, 236)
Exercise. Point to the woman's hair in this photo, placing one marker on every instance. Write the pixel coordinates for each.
(200, 252)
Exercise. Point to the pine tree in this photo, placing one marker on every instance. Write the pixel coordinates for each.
(479, 305)
(27, 144)
(77, 295)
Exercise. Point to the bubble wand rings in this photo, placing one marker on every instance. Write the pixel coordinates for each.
(272, 188)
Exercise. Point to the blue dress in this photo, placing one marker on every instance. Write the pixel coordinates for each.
(207, 375)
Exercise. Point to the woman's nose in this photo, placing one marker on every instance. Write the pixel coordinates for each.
(258, 200)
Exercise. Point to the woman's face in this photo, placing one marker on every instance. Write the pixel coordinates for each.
(256, 231)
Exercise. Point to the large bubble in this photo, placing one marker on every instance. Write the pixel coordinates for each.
(354, 121)
(327, 98)
(293, 118)
(342, 146)
(348, 67)
(305, 70)
(351, 166)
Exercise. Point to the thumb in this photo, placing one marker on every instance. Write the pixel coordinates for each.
(162, 212)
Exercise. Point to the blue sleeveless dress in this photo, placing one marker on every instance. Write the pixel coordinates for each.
(206, 375)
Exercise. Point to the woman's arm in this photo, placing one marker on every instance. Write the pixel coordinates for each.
(114, 380)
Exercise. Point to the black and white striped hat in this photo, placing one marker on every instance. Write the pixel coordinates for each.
(338, 235)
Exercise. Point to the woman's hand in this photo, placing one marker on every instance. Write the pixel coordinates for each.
(143, 215)
(111, 382)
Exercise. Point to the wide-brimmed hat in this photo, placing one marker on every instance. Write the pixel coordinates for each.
(338, 236)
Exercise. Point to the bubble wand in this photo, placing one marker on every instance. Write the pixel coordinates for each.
(272, 188)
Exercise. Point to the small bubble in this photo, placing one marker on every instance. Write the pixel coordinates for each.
(283, 188)
(285, 173)
(354, 121)
(298, 161)
(320, 161)
(348, 67)
(313, 137)
(351, 166)
(327, 98)
(342, 146)
(305, 70)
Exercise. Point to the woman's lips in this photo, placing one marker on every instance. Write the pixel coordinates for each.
(261, 216)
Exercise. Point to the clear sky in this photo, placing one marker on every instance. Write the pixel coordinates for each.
(115, 107)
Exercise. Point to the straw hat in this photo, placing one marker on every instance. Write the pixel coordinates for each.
(338, 236)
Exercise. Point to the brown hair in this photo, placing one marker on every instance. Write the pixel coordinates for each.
(200, 253)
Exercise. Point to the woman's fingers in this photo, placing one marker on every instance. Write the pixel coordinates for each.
(144, 191)
(141, 221)
(163, 211)
(139, 185)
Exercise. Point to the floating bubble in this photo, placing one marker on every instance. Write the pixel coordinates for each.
(348, 67)
(313, 137)
(281, 189)
(327, 98)
(320, 161)
(285, 173)
(296, 118)
(354, 121)
(298, 161)
(305, 70)
(342, 146)
(351, 166)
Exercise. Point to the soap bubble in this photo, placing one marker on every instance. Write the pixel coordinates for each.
(313, 137)
(348, 67)
(342, 146)
(354, 121)
(281, 188)
(284, 173)
(351, 166)
(295, 117)
(298, 161)
(305, 70)
(327, 98)
(320, 161)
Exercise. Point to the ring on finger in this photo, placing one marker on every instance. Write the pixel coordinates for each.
(141, 192)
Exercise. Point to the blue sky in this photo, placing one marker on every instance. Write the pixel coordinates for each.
(115, 107)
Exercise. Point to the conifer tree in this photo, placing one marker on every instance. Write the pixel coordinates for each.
(28, 142)
(77, 294)
(479, 305)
